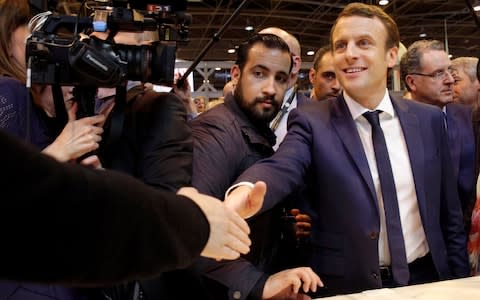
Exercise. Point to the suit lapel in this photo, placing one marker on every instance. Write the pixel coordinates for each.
(413, 138)
(347, 131)
(453, 135)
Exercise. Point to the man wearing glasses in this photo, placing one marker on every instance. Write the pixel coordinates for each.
(322, 76)
(425, 70)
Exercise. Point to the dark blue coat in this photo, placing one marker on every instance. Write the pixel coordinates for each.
(323, 138)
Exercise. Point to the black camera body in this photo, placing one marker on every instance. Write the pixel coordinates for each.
(74, 59)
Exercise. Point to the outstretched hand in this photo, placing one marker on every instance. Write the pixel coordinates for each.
(245, 200)
(228, 231)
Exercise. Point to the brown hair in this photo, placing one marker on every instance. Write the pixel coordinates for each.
(371, 11)
(13, 14)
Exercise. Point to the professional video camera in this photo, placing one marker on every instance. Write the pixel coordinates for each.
(60, 50)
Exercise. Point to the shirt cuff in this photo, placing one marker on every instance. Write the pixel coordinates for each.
(243, 183)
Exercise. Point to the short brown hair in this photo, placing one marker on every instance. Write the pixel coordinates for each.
(371, 11)
(13, 14)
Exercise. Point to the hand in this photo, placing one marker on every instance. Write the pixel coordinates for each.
(286, 284)
(247, 201)
(77, 138)
(303, 223)
(228, 231)
(93, 162)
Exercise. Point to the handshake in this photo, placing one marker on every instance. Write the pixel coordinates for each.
(228, 229)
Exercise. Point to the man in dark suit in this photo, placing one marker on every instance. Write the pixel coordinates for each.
(384, 207)
(425, 70)
(293, 98)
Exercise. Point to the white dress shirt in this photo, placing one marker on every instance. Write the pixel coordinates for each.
(413, 233)
(281, 130)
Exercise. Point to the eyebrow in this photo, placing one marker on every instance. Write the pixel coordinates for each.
(267, 69)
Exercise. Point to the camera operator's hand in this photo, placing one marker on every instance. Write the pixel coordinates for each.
(77, 138)
(228, 231)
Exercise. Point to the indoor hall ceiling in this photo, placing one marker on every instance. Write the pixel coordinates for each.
(310, 21)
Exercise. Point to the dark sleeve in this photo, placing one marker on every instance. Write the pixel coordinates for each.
(217, 153)
(451, 211)
(164, 141)
(13, 103)
(242, 279)
(68, 224)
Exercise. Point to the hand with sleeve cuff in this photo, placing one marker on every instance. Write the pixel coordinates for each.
(246, 198)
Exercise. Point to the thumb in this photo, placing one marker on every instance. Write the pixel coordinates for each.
(256, 197)
(72, 112)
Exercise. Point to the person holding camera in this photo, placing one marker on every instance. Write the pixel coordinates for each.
(35, 120)
(30, 115)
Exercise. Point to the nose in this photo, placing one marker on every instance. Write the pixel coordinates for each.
(335, 85)
(269, 86)
(350, 51)
(449, 78)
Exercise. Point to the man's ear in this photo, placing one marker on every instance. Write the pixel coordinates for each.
(311, 75)
(235, 74)
(410, 81)
(392, 55)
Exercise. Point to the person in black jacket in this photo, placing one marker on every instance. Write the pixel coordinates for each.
(104, 227)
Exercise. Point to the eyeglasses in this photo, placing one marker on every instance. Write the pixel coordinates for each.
(437, 75)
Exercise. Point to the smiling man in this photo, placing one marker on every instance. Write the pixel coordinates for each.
(385, 211)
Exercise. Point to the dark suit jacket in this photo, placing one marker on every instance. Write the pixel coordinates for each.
(155, 144)
(323, 138)
(462, 150)
(63, 223)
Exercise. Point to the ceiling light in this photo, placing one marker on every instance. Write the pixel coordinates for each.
(249, 28)
(450, 56)
(310, 53)
(476, 7)
(231, 50)
(383, 2)
(218, 69)
(422, 35)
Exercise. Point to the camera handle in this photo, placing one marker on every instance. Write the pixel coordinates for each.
(215, 38)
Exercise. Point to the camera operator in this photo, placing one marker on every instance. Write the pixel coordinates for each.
(155, 146)
(35, 120)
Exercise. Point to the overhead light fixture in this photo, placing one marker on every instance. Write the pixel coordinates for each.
(231, 50)
(477, 7)
(310, 53)
(218, 69)
(422, 35)
(450, 56)
(383, 2)
(249, 26)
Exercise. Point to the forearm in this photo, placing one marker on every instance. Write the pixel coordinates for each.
(73, 225)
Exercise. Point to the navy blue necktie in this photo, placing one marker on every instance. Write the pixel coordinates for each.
(396, 243)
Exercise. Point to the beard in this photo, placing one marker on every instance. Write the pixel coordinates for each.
(254, 109)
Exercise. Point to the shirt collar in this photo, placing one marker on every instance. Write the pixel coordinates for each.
(356, 109)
